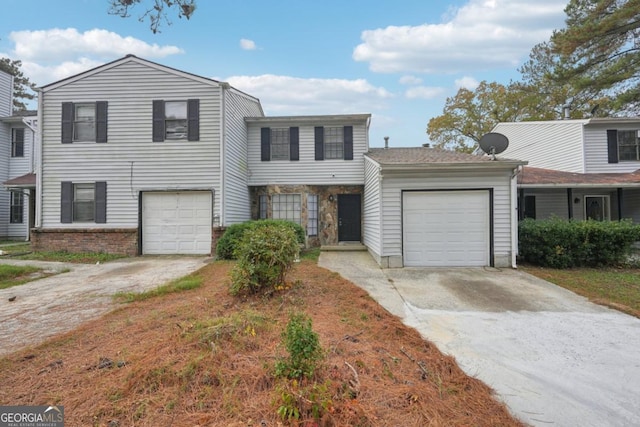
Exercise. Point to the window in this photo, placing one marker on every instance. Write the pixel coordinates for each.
(17, 142)
(529, 207)
(286, 206)
(597, 208)
(84, 122)
(333, 143)
(176, 120)
(83, 202)
(17, 207)
(280, 144)
(312, 215)
(628, 145)
(262, 214)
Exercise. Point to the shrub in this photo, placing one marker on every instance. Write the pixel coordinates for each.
(265, 254)
(228, 243)
(303, 346)
(559, 243)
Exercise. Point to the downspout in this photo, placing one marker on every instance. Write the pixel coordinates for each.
(514, 215)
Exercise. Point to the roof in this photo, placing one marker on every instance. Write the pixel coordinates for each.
(318, 118)
(538, 177)
(24, 181)
(405, 157)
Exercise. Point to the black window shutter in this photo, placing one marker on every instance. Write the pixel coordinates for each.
(348, 142)
(319, 139)
(265, 144)
(101, 121)
(19, 140)
(66, 202)
(193, 120)
(67, 122)
(612, 145)
(294, 143)
(101, 202)
(158, 121)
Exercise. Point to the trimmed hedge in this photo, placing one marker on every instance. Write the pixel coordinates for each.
(228, 243)
(558, 243)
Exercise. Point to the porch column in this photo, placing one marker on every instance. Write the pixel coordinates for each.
(620, 204)
(570, 202)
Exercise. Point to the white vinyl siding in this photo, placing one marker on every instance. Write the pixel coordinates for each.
(372, 208)
(554, 145)
(596, 151)
(6, 94)
(307, 170)
(237, 106)
(129, 162)
(393, 186)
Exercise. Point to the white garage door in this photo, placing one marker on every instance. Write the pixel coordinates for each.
(446, 228)
(176, 223)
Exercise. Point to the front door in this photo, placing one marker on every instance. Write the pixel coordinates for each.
(349, 217)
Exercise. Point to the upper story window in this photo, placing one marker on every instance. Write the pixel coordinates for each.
(17, 142)
(84, 122)
(279, 144)
(334, 142)
(628, 145)
(176, 120)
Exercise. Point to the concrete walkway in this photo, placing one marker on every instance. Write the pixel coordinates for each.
(35, 311)
(553, 357)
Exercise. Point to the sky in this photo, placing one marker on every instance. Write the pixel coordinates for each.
(397, 60)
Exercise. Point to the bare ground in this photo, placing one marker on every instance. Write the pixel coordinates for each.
(204, 358)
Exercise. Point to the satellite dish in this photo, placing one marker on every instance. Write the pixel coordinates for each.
(493, 143)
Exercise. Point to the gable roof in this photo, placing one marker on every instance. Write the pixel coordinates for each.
(537, 177)
(424, 157)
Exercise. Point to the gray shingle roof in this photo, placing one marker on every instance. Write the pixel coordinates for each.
(421, 155)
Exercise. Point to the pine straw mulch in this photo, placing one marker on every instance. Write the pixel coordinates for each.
(204, 358)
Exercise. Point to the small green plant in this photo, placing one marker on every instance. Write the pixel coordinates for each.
(301, 402)
(265, 255)
(228, 244)
(303, 346)
(183, 284)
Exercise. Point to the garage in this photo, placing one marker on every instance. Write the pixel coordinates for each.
(176, 223)
(446, 228)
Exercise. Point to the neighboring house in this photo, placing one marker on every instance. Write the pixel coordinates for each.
(578, 169)
(139, 158)
(17, 165)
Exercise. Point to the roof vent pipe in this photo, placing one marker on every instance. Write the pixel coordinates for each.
(426, 145)
(386, 142)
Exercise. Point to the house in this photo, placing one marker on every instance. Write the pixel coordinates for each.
(17, 165)
(140, 158)
(578, 169)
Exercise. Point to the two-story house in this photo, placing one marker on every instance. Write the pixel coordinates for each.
(579, 169)
(17, 165)
(140, 158)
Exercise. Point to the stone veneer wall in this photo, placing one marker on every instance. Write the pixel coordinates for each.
(114, 241)
(327, 210)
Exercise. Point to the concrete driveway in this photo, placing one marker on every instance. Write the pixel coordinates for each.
(552, 356)
(46, 307)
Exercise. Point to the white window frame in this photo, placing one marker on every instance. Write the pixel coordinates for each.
(84, 127)
(175, 120)
(280, 144)
(606, 206)
(312, 214)
(333, 142)
(622, 143)
(80, 200)
(16, 206)
(287, 206)
(15, 141)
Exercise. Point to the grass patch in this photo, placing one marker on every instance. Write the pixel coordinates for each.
(178, 285)
(311, 254)
(17, 248)
(615, 288)
(13, 275)
(64, 256)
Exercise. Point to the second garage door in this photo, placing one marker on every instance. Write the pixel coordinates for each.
(446, 228)
(176, 223)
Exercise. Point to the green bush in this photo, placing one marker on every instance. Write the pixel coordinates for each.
(558, 243)
(227, 244)
(265, 254)
(303, 346)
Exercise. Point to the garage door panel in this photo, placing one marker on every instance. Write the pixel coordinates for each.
(176, 222)
(448, 228)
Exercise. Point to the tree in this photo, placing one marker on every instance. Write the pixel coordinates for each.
(22, 87)
(156, 12)
(599, 50)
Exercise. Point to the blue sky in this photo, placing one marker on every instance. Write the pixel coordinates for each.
(398, 60)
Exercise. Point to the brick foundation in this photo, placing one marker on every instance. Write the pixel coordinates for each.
(114, 241)
(216, 234)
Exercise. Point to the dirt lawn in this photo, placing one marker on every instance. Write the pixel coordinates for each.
(204, 358)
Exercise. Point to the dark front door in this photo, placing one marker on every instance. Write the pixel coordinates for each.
(349, 217)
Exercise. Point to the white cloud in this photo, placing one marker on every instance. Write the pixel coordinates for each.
(467, 83)
(68, 44)
(482, 34)
(247, 44)
(285, 95)
(424, 92)
(410, 80)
